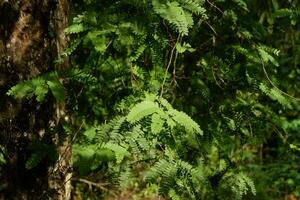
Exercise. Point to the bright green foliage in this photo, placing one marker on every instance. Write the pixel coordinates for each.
(176, 15)
(240, 184)
(146, 137)
(142, 110)
(185, 121)
(39, 88)
(276, 95)
(146, 108)
(157, 123)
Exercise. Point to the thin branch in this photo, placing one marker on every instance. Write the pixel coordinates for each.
(174, 66)
(212, 28)
(273, 84)
(213, 5)
(168, 66)
(90, 183)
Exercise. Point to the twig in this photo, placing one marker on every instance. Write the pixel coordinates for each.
(174, 66)
(90, 183)
(271, 82)
(168, 66)
(212, 28)
(213, 5)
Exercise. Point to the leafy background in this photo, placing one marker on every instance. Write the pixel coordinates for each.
(183, 99)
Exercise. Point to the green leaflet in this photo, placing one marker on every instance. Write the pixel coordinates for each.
(185, 121)
(75, 28)
(142, 110)
(165, 103)
(266, 57)
(35, 87)
(174, 14)
(194, 6)
(98, 39)
(275, 95)
(174, 196)
(183, 48)
(39, 87)
(240, 184)
(120, 152)
(89, 157)
(57, 89)
(138, 52)
(159, 116)
(157, 123)
(90, 133)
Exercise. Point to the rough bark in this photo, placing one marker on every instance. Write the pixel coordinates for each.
(31, 38)
(60, 175)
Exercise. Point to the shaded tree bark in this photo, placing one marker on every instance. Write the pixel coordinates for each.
(31, 38)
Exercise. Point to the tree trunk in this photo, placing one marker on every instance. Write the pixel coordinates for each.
(31, 38)
(60, 175)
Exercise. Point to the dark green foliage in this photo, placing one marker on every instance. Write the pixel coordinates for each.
(148, 74)
(40, 152)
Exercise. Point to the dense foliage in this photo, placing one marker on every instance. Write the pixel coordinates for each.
(187, 99)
